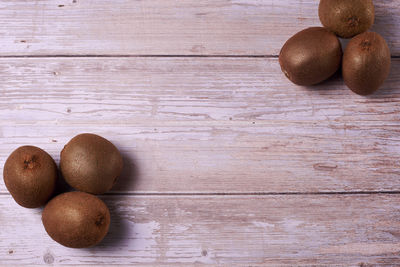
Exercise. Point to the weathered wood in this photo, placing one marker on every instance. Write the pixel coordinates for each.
(207, 124)
(201, 125)
(229, 230)
(165, 27)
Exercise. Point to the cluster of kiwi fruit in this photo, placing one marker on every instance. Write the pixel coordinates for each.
(315, 54)
(90, 164)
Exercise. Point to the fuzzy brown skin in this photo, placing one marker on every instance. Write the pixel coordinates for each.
(347, 18)
(366, 63)
(90, 163)
(30, 175)
(311, 56)
(76, 219)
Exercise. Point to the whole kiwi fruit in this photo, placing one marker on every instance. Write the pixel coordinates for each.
(311, 56)
(366, 63)
(30, 176)
(346, 18)
(90, 163)
(76, 219)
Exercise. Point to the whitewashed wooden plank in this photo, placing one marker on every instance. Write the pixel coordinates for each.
(165, 27)
(348, 230)
(206, 124)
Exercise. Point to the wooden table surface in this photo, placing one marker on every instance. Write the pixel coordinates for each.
(226, 161)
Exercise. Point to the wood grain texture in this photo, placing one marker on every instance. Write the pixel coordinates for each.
(207, 124)
(226, 162)
(220, 230)
(166, 27)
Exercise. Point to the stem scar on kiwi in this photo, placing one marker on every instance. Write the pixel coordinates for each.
(30, 176)
(31, 161)
(366, 63)
(346, 18)
(76, 219)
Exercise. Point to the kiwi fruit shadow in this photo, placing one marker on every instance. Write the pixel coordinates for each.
(61, 186)
(129, 176)
(120, 228)
(384, 92)
(331, 84)
(386, 24)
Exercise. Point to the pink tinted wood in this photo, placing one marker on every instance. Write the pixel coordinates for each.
(192, 127)
(207, 124)
(220, 230)
(166, 27)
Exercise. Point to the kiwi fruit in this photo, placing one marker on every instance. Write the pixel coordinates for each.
(346, 18)
(90, 163)
(311, 56)
(76, 219)
(366, 63)
(30, 176)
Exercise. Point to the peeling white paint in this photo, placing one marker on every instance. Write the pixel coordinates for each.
(145, 235)
(264, 225)
(364, 248)
(180, 228)
(291, 225)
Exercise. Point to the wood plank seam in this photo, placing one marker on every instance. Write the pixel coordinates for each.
(146, 56)
(245, 194)
(244, 112)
